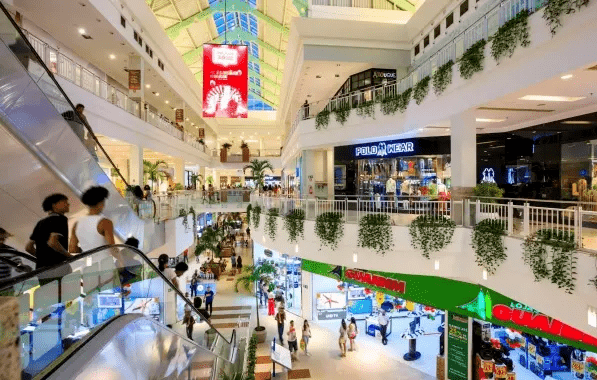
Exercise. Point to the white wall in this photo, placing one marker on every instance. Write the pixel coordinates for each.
(513, 278)
(177, 237)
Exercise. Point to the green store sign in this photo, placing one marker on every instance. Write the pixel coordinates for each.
(459, 297)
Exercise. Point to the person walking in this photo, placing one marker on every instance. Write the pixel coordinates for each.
(263, 295)
(383, 321)
(185, 256)
(171, 274)
(271, 303)
(189, 321)
(306, 336)
(194, 283)
(353, 331)
(292, 342)
(239, 264)
(280, 318)
(233, 262)
(342, 339)
(209, 299)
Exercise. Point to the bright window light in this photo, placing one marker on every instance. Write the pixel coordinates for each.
(147, 85)
(547, 98)
(482, 120)
(112, 56)
(567, 76)
(354, 257)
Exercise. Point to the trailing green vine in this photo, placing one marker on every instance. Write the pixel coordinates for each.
(294, 223)
(488, 243)
(556, 8)
(442, 77)
(421, 90)
(513, 33)
(593, 282)
(431, 233)
(185, 221)
(322, 119)
(389, 105)
(341, 113)
(563, 262)
(472, 60)
(366, 109)
(329, 227)
(249, 209)
(251, 358)
(404, 100)
(375, 232)
(271, 222)
(192, 212)
(256, 213)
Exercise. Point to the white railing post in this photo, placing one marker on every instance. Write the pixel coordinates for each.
(510, 218)
(526, 220)
(578, 224)
(477, 211)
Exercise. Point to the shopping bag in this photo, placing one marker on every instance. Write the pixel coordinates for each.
(303, 345)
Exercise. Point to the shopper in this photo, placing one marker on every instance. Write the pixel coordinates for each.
(306, 336)
(6, 269)
(194, 283)
(209, 299)
(342, 338)
(233, 262)
(147, 193)
(239, 264)
(189, 321)
(353, 331)
(263, 296)
(271, 303)
(383, 321)
(185, 256)
(292, 342)
(280, 318)
(171, 274)
(132, 266)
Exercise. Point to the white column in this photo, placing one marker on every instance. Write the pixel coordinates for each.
(136, 62)
(330, 172)
(308, 174)
(261, 154)
(179, 171)
(463, 149)
(136, 165)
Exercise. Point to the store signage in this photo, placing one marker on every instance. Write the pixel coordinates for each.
(201, 133)
(375, 280)
(488, 175)
(541, 323)
(457, 347)
(134, 80)
(179, 113)
(331, 314)
(385, 149)
(225, 81)
(384, 74)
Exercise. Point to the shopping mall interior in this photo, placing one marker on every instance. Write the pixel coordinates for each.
(305, 189)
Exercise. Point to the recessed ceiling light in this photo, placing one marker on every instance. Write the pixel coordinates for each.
(189, 119)
(576, 122)
(81, 31)
(547, 98)
(157, 94)
(482, 120)
(147, 85)
(567, 76)
(112, 56)
(167, 101)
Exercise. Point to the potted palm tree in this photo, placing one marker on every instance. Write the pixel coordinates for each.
(211, 241)
(224, 152)
(246, 154)
(196, 178)
(152, 169)
(258, 169)
(252, 274)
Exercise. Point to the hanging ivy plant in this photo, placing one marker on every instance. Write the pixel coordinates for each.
(294, 223)
(389, 105)
(593, 282)
(366, 109)
(341, 113)
(322, 119)
(404, 100)
(563, 263)
(535, 255)
(421, 90)
(431, 233)
(488, 243)
(249, 209)
(442, 77)
(192, 212)
(513, 33)
(472, 60)
(556, 8)
(185, 221)
(329, 227)
(375, 232)
(256, 213)
(271, 222)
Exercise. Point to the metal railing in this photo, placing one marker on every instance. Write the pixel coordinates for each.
(371, 4)
(168, 206)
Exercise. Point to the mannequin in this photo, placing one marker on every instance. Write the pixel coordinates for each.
(391, 191)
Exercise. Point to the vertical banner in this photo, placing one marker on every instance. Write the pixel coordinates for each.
(134, 80)
(179, 115)
(201, 133)
(225, 81)
(457, 347)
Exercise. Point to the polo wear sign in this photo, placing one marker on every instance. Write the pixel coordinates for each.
(387, 149)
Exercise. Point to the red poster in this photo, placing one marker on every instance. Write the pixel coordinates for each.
(179, 113)
(225, 81)
(134, 80)
(201, 133)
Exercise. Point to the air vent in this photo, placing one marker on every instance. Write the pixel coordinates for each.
(593, 68)
(512, 109)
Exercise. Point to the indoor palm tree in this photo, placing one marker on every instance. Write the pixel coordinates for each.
(196, 178)
(210, 242)
(258, 169)
(152, 169)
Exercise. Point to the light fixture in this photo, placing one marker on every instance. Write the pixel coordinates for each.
(167, 101)
(112, 56)
(354, 257)
(157, 94)
(592, 316)
(81, 31)
(548, 98)
(436, 264)
(567, 76)
(485, 274)
(576, 122)
(484, 120)
(296, 248)
(147, 85)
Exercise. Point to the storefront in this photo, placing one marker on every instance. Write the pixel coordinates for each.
(287, 277)
(401, 167)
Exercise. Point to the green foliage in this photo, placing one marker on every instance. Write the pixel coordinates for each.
(472, 60)
(431, 233)
(254, 273)
(178, 186)
(271, 222)
(442, 77)
(192, 212)
(294, 223)
(421, 90)
(251, 357)
(341, 113)
(488, 243)
(389, 105)
(258, 168)
(593, 282)
(487, 189)
(375, 232)
(322, 119)
(210, 242)
(210, 180)
(513, 33)
(249, 209)
(185, 221)
(256, 216)
(404, 99)
(329, 227)
(152, 170)
(196, 178)
(366, 109)
(556, 8)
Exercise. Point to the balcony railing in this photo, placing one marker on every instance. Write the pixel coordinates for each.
(168, 206)
(371, 4)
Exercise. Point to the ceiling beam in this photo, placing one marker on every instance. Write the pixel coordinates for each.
(272, 83)
(263, 90)
(404, 5)
(301, 6)
(262, 64)
(174, 31)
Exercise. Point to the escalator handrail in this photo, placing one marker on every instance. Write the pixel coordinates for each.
(27, 276)
(23, 255)
(51, 75)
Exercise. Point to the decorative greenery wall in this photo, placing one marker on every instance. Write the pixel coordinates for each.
(421, 90)
(271, 222)
(513, 33)
(431, 233)
(256, 213)
(329, 227)
(488, 243)
(552, 254)
(442, 77)
(366, 109)
(251, 357)
(294, 223)
(488, 189)
(472, 60)
(341, 113)
(322, 119)
(375, 232)
(556, 8)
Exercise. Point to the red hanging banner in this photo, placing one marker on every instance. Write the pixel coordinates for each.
(225, 81)
(179, 113)
(134, 80)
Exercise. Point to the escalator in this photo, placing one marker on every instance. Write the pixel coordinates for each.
(110, 313)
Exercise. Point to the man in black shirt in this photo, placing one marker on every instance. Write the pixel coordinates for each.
(50, 236)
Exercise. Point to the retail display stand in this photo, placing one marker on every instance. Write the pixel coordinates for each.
(412, 333)
(280, 355)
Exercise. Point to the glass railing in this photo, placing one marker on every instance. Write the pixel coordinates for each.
(61, 306)
(168, 206)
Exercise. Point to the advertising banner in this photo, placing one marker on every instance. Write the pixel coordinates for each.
(201, 133)
(457, 347)
(134, 80)
(225, 81)
(179, 115)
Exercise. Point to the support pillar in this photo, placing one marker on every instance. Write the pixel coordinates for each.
(179, 171)
(136, 165)
(330, 172)
(136, 62)
(308, 174)
(463, 149)
(10, 349)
